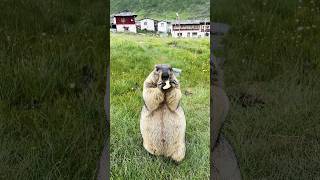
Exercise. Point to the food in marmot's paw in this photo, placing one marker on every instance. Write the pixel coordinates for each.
(167, 86)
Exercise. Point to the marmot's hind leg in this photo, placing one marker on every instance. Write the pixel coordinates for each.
(179, 153)
(151, 148)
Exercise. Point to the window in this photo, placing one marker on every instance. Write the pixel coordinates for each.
(194, 34)
(162, 24)
(145, 23)
(126, 28)
(188, 34)
(179, 34)
(123, 20)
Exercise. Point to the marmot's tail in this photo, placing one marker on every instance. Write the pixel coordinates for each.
(216, 71)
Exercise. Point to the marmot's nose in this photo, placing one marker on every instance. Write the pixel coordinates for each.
(165, 75)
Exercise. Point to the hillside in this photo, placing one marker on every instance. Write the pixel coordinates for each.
(187, 9)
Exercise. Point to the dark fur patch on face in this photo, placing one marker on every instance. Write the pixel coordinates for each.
(165, 71)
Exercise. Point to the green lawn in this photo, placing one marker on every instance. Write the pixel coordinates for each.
(272, 57)
(52, 87)
(132, 59)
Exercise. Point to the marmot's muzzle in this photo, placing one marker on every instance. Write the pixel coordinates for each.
(165, 75)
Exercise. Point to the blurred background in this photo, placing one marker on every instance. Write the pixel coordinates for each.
(271, 71)
(52, 86)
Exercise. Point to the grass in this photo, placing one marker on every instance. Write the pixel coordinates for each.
(52, 86)
(132, 58)
(272, 79)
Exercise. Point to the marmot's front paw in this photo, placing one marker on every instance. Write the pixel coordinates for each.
(161, 84)
(179, 154)
(174, 83)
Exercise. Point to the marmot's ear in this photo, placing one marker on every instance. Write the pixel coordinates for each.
(157, 66)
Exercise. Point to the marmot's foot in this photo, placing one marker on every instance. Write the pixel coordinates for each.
(179, 154)
(151, 149)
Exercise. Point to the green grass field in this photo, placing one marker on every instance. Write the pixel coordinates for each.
(272, 78)
(132, 59)
(52, 87)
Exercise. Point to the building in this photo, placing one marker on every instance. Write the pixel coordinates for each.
(149, 24)
(138, 25)
(125, 22)
(190, 28)
(164, 26)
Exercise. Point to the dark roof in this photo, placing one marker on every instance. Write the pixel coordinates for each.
(189, 21)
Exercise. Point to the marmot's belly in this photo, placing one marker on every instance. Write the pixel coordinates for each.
(163, 127)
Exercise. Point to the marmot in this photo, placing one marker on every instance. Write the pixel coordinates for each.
(162, 122)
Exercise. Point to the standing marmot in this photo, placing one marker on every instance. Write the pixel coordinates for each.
(162, 122)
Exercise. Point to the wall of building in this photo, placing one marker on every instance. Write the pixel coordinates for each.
(189, 34)
(125, 20)
(190, 30)
(185, 33)
(131, 28)
(163, 27)
(147, 24)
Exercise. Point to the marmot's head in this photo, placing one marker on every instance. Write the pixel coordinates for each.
(164, 71)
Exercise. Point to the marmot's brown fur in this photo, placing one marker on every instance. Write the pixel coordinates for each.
(162, 122)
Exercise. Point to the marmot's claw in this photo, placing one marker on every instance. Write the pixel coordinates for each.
(173, 82)
(160, 84)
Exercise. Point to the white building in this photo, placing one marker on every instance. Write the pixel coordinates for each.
(190, 28)
(125, 22)
(164, 26)
(148, 24)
